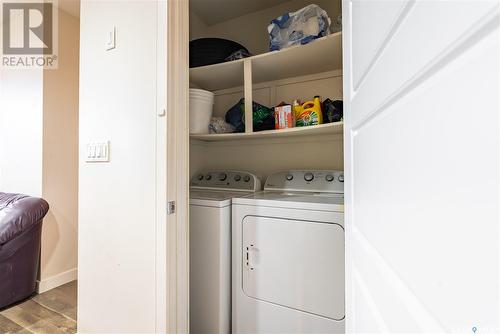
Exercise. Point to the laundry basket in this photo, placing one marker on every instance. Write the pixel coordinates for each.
(201, 104)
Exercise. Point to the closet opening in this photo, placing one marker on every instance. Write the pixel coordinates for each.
(266, 195)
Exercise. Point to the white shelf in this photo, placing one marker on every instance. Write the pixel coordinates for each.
(321, 55)
(218, 76)
(315, 130)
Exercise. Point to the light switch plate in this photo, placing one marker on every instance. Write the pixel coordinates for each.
(111, 39)
(97, 152)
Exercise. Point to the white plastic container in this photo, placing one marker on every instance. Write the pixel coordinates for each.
(201, 105)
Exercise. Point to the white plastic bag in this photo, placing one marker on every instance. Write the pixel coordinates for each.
(300, 27)
(219, 125)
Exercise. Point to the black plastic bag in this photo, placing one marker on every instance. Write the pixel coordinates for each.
(333, 111)
(263, 117)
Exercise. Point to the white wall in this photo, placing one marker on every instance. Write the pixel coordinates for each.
(117, 199)
(251, 30)
(21, 128)
(21, 115)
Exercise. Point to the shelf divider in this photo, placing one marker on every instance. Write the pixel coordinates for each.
(247, 77)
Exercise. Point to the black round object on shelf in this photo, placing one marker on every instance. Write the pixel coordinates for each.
(208, 51)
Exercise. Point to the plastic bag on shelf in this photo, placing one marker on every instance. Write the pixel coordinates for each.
(219, 125)
(337, 24)
(300, 27)
(333, 111)
(263, 117)
(239, 54)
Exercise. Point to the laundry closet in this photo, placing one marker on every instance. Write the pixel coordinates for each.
(268, 78)
(286, 75)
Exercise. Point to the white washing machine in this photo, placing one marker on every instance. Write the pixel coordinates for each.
(288, 255)
(210, 246)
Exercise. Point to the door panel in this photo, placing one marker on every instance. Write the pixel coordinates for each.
(429, 31)
(423, 174)
(296, 264)
(374, 36)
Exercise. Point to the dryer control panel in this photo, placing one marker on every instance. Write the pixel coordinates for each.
(226, 180)
(320, 181)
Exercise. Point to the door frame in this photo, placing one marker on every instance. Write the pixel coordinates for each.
(176, 78)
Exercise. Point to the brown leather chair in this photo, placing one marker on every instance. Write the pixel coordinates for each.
(20, 233)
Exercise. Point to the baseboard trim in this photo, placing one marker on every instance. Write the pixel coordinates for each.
(56, 280)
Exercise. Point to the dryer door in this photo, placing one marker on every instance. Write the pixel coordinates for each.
(295, 264)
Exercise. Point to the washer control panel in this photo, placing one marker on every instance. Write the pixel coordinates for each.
(226, 180)
(322, 181)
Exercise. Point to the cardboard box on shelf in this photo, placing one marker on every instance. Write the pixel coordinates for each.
(284, 117)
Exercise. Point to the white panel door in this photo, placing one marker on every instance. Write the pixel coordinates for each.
(422, 134)
(295, 264)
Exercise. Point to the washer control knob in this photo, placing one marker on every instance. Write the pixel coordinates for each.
(200, 177)
(329, 178)
(246, 178)
(237, 178)
(222, 177)
(308, 176)
(208, 177)
(289, 177)
(341, 178)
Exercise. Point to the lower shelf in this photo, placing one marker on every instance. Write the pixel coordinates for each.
(315, 130)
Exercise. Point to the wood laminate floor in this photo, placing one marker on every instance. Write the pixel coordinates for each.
(52, 312)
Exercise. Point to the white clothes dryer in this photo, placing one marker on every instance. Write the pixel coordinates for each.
(288, 255)
(210, 247)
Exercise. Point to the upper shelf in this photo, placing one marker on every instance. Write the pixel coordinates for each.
(321, 55)
(305, 131)
(217, 76)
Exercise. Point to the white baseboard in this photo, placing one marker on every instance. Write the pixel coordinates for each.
(57, 280)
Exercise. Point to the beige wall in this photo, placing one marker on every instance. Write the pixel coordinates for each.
(251, 30)
(264, 157)
(60, 159)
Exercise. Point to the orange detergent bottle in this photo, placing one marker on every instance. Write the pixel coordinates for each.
(308, 113)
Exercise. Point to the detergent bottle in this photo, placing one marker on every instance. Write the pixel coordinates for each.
(309, 113)
(297, 109)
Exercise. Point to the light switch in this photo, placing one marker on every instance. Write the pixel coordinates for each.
(98, 152)
(111, 39)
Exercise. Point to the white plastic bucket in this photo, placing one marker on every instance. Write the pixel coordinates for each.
(201, 105)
